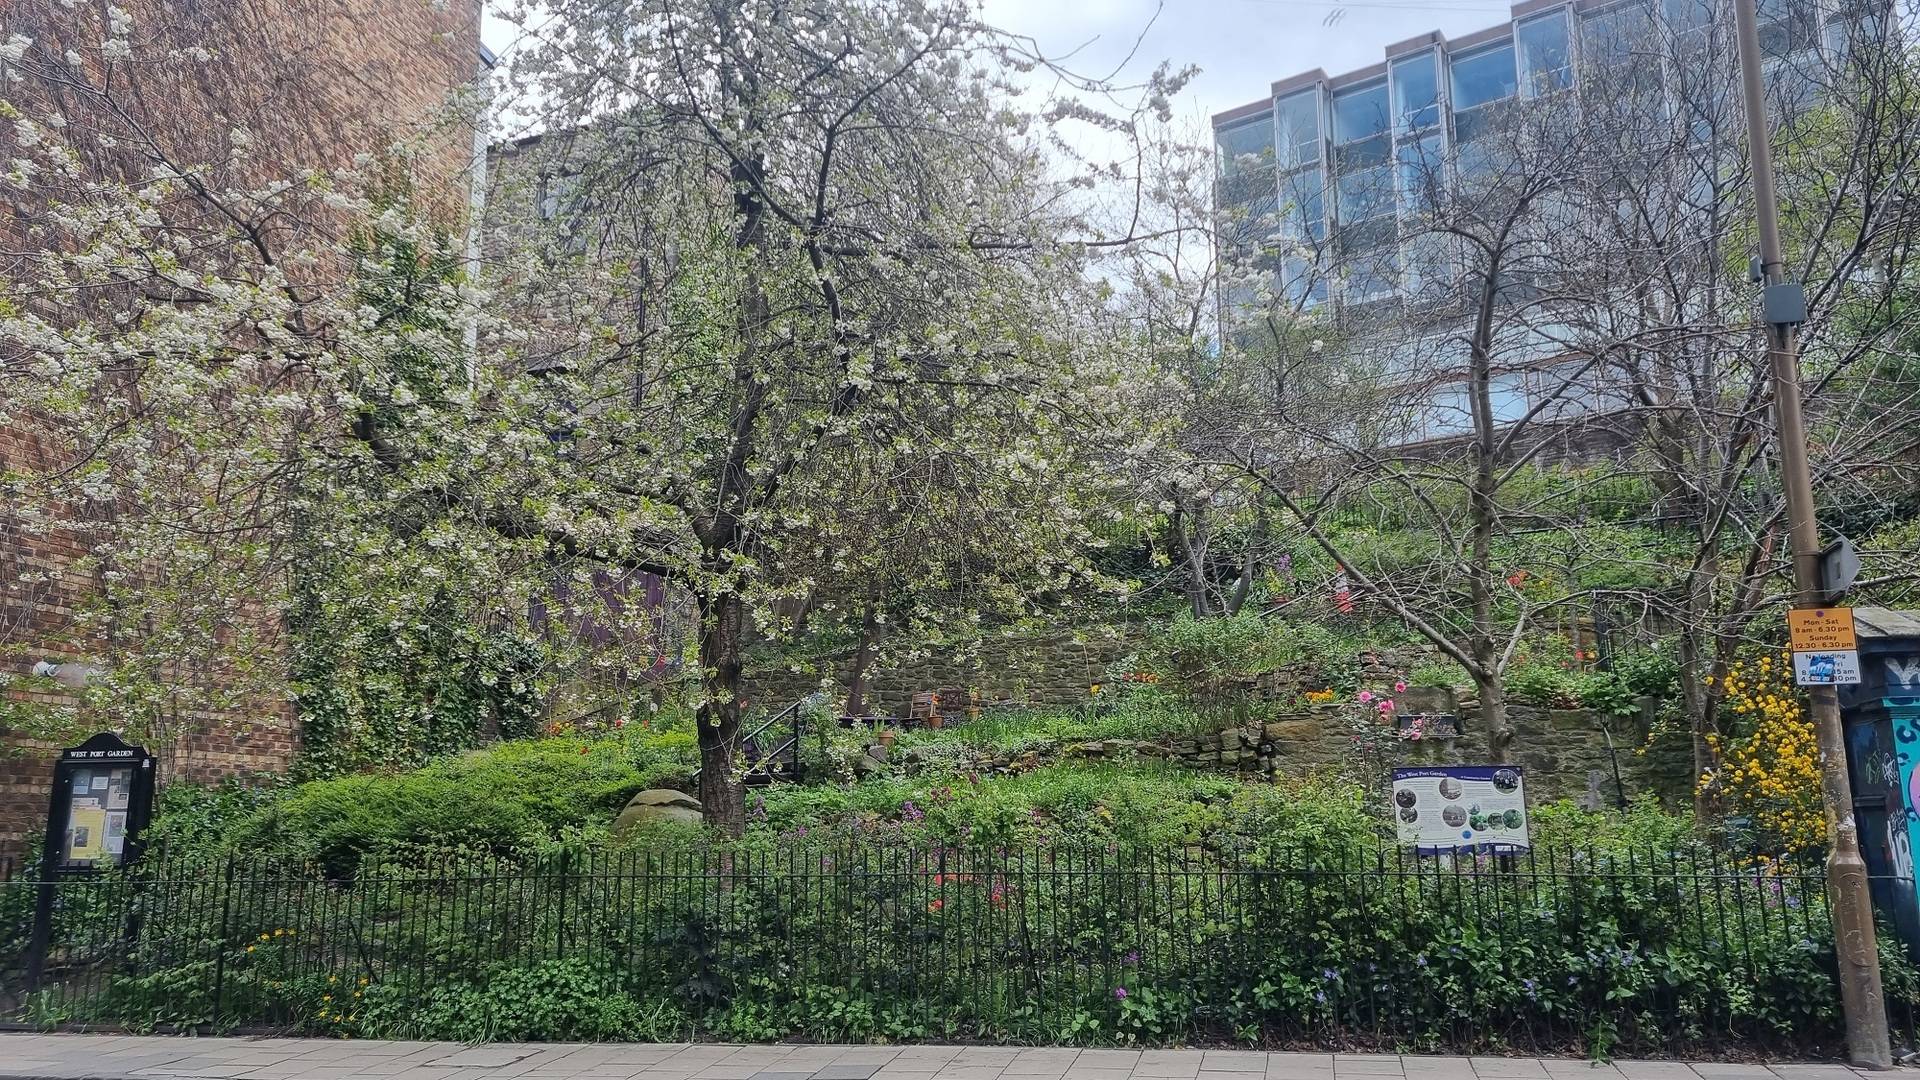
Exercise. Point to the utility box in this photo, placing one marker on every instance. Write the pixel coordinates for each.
(1882, 719)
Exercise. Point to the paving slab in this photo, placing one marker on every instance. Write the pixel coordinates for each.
(35, 1056)
(851, 1070)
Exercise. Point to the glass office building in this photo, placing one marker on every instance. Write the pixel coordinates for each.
(1321, 184)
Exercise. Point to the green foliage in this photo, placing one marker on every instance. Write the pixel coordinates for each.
(1308, 927)
(1439, 673)
(1207, 661)
(1650, 674)
(571, 999)
(1618, 690)
(1122, 712)
(513, 796)
(1548, 684)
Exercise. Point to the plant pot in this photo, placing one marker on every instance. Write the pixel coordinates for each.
(936, 721)
(887, 736)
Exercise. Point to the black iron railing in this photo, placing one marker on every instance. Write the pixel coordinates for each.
(858, 938)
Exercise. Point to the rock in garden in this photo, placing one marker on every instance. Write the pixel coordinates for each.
(656, 805)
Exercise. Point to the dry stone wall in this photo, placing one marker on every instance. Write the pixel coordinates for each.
(1589, 757)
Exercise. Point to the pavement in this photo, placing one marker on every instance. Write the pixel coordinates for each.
(122, 1057)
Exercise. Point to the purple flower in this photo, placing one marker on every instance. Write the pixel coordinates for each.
(1421, 960)
(1120, 993)
(1329, 974)
(1132, 957)
(910, 811)
(1320, 996)
(1532, 988)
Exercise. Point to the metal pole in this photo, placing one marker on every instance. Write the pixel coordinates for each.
(1852, 908)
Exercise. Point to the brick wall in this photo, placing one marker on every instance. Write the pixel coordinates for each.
(312, 84)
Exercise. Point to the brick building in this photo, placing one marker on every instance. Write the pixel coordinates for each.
(297, 84)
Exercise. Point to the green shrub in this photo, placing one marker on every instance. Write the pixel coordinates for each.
(573, 999)
(1544, 684)
(1649, 674)
(513, 795)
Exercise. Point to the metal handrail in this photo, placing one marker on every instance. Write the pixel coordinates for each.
(792, 741)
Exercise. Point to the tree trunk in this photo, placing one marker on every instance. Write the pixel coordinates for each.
(1193, 555)
(721, 624)
(1493, 713)
(863, 661)
(1693, 698)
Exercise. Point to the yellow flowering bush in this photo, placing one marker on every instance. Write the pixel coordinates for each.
(1769, 771)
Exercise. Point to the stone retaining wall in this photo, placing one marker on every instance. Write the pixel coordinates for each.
(1565, 754)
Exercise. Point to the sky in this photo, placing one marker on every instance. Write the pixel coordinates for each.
(1241, 46)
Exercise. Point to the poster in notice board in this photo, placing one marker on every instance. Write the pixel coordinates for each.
(1443, 808)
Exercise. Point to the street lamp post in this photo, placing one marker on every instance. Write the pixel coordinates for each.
(1785, 308)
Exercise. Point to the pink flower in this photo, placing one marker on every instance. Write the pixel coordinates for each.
(1386, 706)
(1400, 688)
(1366, 696)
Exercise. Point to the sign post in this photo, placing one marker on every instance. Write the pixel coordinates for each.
(102, 800)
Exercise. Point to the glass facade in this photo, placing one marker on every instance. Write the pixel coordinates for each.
(1422, 168)
(1545, 54)
(1360, 113)
(1245, 147)
(1416, 93)
(1483, 78)
(1298, 121)
(1333, 186)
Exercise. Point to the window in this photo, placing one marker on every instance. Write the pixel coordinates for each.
(1476, 163)
(1507, 394)
(1245, 187)
(1302, 283)
(1366, 193)
(1686, 16)
(1427, 262)
(1299, 122)
(1304, 207)
(1788, 27)
(1372, 277)
(1450, 413)
(1422, 177)
(1619, 35)
(1483, 77)
(1252, 224)
(1416, 93)
(1545, 53)
(1247, 146)
(1360, 114)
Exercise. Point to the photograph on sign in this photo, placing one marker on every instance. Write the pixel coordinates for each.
(1841, 668)
(1454, 807)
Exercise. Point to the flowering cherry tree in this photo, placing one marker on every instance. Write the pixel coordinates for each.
(830, 284)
